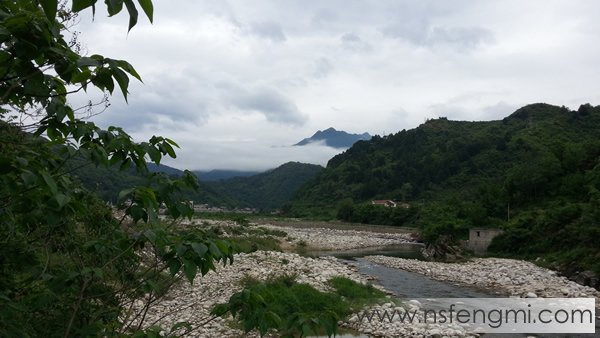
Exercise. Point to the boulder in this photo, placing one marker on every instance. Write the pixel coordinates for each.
(443, 250)
(588, 278)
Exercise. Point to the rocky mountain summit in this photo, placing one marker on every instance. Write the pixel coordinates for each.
(334, 138)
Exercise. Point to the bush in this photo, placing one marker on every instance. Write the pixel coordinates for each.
(247, 244)
(294, 309)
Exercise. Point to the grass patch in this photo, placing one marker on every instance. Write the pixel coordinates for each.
(294, 309)
(359, 294)
(261, 231)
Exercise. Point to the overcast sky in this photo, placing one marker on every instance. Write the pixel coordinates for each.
(235, 83)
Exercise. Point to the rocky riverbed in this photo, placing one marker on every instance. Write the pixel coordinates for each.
(508, 276)
(336, 239)
(192, 302)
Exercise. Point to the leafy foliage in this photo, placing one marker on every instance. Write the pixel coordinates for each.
(295, 309)
(68, 267)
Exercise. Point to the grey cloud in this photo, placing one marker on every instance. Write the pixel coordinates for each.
(499, 110)
(323, 17)
(462, 38)
(269, 30)
(161, 100)
(272, 104)
(139, 115)
(322, 68)
(461, 111)
(421, 33)
(413, 30)
(451, 111)
(353, 42)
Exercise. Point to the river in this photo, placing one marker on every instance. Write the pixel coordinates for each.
(411, 285)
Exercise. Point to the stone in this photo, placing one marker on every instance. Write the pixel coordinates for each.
(415, 303)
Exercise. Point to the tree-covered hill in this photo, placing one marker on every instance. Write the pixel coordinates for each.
(535, 173)
(268, 190)
(108, 182)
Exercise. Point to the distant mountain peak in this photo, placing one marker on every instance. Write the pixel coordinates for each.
(334, 138)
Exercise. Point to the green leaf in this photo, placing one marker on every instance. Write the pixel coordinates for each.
(126, 66)
(50, 182)
(223, 247)
(117, 157)
(169, 150)
(122, 80)
(180, 249)
(154, 154)
(125, 164)
(88, 62)
(214, 250)
(22, 161)
(171, 142)
(79, 5)
(190, 270)
(200, 249)
(148, 8)
(124, 193)
(174, 266)
(137, 213)
(62, 200)
(28, 178)
(133, 13)
(103, 80)
(150, 235)
(49, 7)
(114, 6)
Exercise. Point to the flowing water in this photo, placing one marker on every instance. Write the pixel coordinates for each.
(411, 285)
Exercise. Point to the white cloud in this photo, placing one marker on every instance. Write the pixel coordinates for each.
(235, 82)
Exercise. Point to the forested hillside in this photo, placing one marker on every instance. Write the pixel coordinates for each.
(222, 174)
(535, 173)
(108, 182)
(268, 190)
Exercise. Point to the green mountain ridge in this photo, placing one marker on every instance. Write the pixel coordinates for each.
(222, 174)
(536, 174)
(268, 190)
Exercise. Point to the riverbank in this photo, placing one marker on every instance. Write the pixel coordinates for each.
(319, 238)
(192, 303)
(510, 277)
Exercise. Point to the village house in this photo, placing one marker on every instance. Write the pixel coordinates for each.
(480, 239)
(390, 204)
(384, 203)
